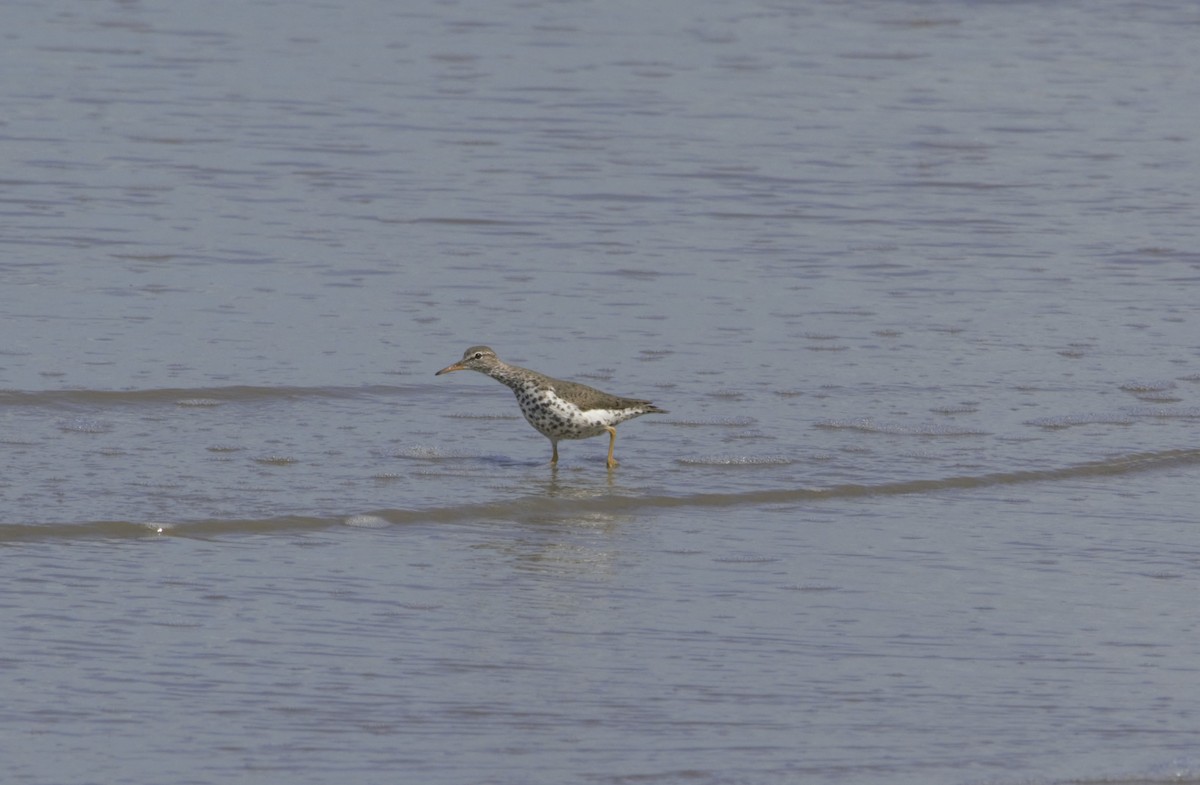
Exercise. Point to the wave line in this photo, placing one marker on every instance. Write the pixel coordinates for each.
(563, 507)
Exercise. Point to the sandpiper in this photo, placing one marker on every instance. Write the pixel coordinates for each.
(556, 408)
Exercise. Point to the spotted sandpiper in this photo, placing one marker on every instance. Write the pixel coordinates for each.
(558, 409)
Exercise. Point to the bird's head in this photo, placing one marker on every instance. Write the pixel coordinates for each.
(477, 358)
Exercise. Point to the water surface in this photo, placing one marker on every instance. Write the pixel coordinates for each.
(916, 283)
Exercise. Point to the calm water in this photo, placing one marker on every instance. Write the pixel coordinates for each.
(916, 281)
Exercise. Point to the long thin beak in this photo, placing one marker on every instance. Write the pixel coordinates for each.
(456, 367)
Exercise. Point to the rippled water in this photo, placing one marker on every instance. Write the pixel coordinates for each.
(916, 283)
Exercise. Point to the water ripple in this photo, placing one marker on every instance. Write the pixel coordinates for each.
(547, 507)
(737, 460)
(900, 429)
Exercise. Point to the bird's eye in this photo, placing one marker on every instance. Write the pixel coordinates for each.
(478, 355)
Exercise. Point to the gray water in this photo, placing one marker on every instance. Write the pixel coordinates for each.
(916, 281)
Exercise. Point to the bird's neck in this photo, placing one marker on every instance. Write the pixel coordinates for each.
(511, 376)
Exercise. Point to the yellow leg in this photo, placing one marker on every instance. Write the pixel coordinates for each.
(612, 442)
(554, 457)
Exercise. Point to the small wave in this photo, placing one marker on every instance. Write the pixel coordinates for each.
(899, 429)
(543, 507)
(276, 460)
(366, 522)
(727, 395)
(1072, 420)
(965, 408)
(1165, 412)
(1152, 386)
(737, 460)
(1124, 417)
(1179, 771)
(84, 425)
(481, 416)
(1159, 397)
(178, 396)
(721, 422)
(426, 452)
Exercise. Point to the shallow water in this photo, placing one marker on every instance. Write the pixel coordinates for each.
(916, 284)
